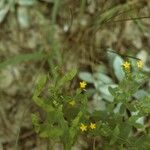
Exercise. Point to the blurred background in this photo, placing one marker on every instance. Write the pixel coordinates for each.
(38, 35)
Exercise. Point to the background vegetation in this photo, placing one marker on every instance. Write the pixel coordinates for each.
(38, 35)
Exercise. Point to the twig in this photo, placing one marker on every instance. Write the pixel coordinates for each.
(124, 55)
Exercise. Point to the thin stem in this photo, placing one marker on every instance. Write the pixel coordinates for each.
(124, 55)
(82, 7)
(131, 19)
(21, 121)
(55, 10)
(94, 143)
(48, 144)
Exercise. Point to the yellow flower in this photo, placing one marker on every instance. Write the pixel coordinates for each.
(72, 103)
(92, 125)
(126, 65)
(140, 64)
(83, 84)
(83, 127)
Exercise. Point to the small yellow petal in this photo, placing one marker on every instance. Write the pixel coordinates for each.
(92, 125)
(139, 64)
(83, 84)
(72, 103)
(83, 127)
(126, 65)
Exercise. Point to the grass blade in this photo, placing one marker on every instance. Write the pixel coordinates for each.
(22, 58)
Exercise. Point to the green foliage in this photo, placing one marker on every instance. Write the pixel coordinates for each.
(66, 78)
(57, 123)
(124, 116)
(22, 58)
(117, 67)
(117, 125)
(144, 105)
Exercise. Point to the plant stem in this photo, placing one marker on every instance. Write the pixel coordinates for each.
(55, 10)
(94, 143)
(48, 144)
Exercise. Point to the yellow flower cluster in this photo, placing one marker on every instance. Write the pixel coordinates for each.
(84, 127)
(140, 64)
(127, 66)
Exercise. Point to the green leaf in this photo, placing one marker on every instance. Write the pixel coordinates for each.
(70, 75)
(105, 92)
(132, 121)
(86, 76)
(122, 108)
(117, 65)
(41, 81)
(141, 143)
(113, 91)
(140, 94)
(42, 104)
(35, 121)
(115, 134)
(143, 105)
(3, 13)
(117, 108)
(125, 129)
(47, 131)
(105, 130)
(23, 18)
(40, 101)
(103, 77)
(55, 10)
(67, 77)
(74, 127)
(140, 121)
(26, 2)
(21, 58)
